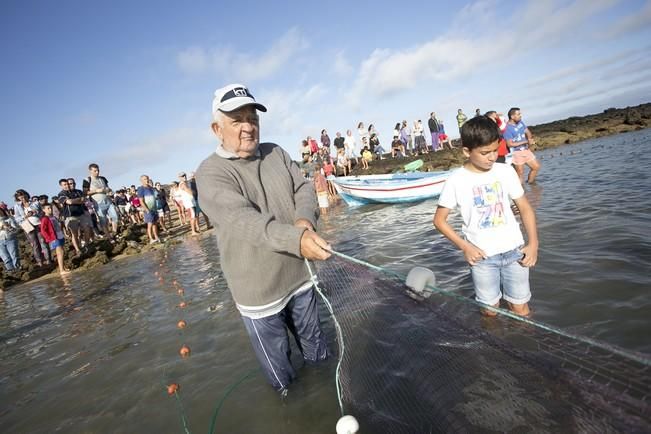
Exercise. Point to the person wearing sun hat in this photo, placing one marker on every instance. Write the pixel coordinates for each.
(265, 214)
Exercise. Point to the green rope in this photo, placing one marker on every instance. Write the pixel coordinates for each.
(586, 340)
(179, 403)
(233, 386)
(340, 336)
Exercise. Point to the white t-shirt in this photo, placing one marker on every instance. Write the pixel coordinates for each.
(484, 202)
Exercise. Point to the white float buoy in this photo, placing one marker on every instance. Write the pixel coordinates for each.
(420, 277)
(347, 425)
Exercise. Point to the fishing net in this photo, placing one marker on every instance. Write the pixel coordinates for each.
(414, 365)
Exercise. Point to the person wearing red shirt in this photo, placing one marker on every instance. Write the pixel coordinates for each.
(53, 235)
(502, 150)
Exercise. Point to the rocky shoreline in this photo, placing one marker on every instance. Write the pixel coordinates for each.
(550, 135)
(133, 240)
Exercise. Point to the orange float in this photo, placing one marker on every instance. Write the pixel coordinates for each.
(172, 388)
(182, 304)
(181, 324)
(184, 351)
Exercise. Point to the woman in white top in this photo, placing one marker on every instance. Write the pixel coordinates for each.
(177, 196)
(419, 139)
(29, 219)
(396, 131)
(349, 144)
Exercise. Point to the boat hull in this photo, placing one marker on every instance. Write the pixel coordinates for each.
(398, 188)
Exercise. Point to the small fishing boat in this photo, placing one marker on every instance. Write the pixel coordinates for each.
(392, 188)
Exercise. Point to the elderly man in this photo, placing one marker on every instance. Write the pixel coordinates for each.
(265, 215)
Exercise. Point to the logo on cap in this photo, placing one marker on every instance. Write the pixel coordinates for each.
(232, 97)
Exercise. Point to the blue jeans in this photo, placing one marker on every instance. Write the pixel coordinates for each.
(271, 342)
(105, 209)
(9, 254)
(501, 271)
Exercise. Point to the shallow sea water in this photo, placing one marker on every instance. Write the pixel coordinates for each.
(93, 352)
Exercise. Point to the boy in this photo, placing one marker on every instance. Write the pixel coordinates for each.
(493, 243)
(53, 235)
(147, 196)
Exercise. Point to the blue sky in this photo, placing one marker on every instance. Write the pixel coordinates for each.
(129, 85)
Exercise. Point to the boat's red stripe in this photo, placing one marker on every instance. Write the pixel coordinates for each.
(392, 189)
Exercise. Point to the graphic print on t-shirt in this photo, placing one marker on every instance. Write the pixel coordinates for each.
(488, 202)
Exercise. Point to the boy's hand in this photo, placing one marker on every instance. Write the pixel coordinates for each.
(530, 256)
(473, 254)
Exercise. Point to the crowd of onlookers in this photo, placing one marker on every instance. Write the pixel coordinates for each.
(94, 212)
(337, 157)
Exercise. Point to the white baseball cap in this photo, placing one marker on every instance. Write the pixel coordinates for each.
(232, 97)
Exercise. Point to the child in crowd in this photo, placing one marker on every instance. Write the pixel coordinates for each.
(321, 187)
(366, 157)
(493, 244)
(444, 140)
(328, 167)
(343, 162)
(308, 167)
(121, 202)
(53, 235)
(397, 148)
(136, 206)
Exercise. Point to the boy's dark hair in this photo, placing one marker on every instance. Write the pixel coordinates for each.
(490, 112)
(93, 166)
(479, 131)
(512, 110)
(43, 197)
(62, 180)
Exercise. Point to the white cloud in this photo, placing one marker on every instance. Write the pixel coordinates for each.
(637, 21)
(466, 49)
(147, 153)
(589, 67)
(193, 60)
(243, 66)
(341, 66)
(544, 23)
(288, 109)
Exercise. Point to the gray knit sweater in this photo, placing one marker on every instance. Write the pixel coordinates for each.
(253, 204)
